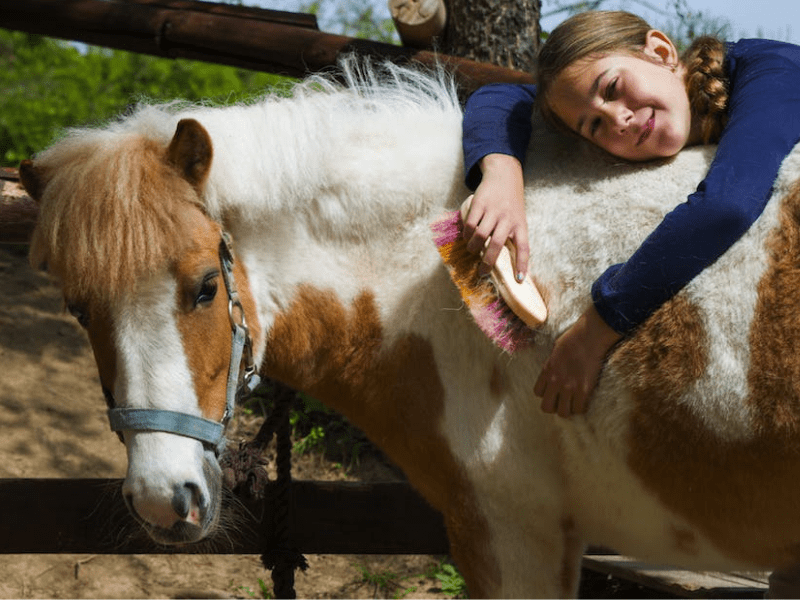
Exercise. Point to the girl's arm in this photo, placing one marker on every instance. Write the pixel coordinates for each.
(497, 129)
(763, 127)
(497, 120)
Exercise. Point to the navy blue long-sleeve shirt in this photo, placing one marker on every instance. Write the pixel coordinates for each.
(763, 127)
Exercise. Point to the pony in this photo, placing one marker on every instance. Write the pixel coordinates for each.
(317, 209)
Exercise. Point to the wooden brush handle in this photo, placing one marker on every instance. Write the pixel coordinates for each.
(521, 297)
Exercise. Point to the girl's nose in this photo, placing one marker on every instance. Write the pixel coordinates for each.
(619, 116)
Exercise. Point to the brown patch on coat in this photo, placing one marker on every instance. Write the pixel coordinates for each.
(394, 394)
(205, 329)
(100, 330)
(666, 354)
(743, 495)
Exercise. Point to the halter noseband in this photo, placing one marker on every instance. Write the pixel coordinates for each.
(211, 433)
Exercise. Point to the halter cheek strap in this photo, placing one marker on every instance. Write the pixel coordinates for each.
(210, 433)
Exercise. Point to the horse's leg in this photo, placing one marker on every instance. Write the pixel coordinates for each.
(785, 582)
(538, 557)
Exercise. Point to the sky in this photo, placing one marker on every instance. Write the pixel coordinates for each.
(777, 19)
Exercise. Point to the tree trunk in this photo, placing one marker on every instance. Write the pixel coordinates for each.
(501, 32)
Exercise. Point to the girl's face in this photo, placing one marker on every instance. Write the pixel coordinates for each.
(634, 107)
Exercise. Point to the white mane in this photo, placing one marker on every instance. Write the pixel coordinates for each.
(308, 152)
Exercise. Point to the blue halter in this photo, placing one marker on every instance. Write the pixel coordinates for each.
(210, 433)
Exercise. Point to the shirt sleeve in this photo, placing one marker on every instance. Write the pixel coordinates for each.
(497, 119)
(763, 127)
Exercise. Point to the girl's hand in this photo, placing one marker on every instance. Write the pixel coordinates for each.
(571, 373)
(498, 212)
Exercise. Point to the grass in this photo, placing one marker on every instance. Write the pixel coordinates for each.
(264, 590)
(385, 582)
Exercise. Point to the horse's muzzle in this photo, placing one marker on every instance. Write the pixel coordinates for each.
(195, 513)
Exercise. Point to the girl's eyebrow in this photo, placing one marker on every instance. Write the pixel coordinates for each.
(592, 91)
(596, 83)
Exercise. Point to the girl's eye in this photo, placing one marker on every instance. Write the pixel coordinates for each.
(611, 89)
(207, 291)
(594, 126)
(80, 314)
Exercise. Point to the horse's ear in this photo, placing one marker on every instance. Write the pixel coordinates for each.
(190, 151)
(31, 179)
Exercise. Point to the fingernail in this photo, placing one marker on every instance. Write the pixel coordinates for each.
(520, 277)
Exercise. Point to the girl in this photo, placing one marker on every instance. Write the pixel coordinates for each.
(610, 78)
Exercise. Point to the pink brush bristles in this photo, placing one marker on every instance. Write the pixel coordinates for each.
(491, 313)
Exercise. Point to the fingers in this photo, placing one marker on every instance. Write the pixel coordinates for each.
(523, 255)
(572, 371)
(478, 227)
(562, 395)
(485, 236)
(496, 242)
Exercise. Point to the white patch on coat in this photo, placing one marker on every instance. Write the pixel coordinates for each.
(153, 373)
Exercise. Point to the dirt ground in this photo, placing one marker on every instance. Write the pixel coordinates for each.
(53, 424)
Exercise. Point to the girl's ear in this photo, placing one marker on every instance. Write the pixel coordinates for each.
(660, 47)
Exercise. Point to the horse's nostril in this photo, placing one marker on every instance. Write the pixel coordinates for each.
(183, 499)
(188, 502)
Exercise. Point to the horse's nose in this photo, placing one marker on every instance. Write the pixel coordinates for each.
(165, 507)
(188, 502)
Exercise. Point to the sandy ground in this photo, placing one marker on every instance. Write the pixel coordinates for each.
(52, 418)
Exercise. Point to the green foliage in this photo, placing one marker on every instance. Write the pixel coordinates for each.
(382, 581)
(385, 581)
(315, 427)
(264, 590)
(49, 85)
(354, 18)
(453, 583)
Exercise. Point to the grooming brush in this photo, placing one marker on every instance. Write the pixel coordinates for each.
(505, 310)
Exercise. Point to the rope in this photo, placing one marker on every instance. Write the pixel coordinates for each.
(244, 473)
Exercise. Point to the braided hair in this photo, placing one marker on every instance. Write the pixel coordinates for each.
(707, 85)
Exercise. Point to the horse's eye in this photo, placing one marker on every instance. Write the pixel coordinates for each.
(80, 314)
(208, 289)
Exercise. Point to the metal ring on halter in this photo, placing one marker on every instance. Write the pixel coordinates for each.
(210, 433)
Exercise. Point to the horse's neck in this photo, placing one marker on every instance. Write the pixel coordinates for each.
(262, 157)
(356, 166)
(332, 193)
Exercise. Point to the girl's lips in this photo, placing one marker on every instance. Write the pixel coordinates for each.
(648, 129)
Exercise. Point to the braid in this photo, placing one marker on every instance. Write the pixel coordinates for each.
(707, 85)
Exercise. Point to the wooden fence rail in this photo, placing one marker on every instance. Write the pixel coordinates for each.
(258, 39)
(76, 516)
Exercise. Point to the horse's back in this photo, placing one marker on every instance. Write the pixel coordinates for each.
(692, 439)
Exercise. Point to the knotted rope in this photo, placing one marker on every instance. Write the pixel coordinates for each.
(244, 472)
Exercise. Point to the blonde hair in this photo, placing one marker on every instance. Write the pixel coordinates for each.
(598, 33)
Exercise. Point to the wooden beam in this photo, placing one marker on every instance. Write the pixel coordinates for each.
(679, 583)
(179, 28)
(53, 516)
(418, 22)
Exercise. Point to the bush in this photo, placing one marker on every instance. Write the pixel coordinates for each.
(49, 85)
